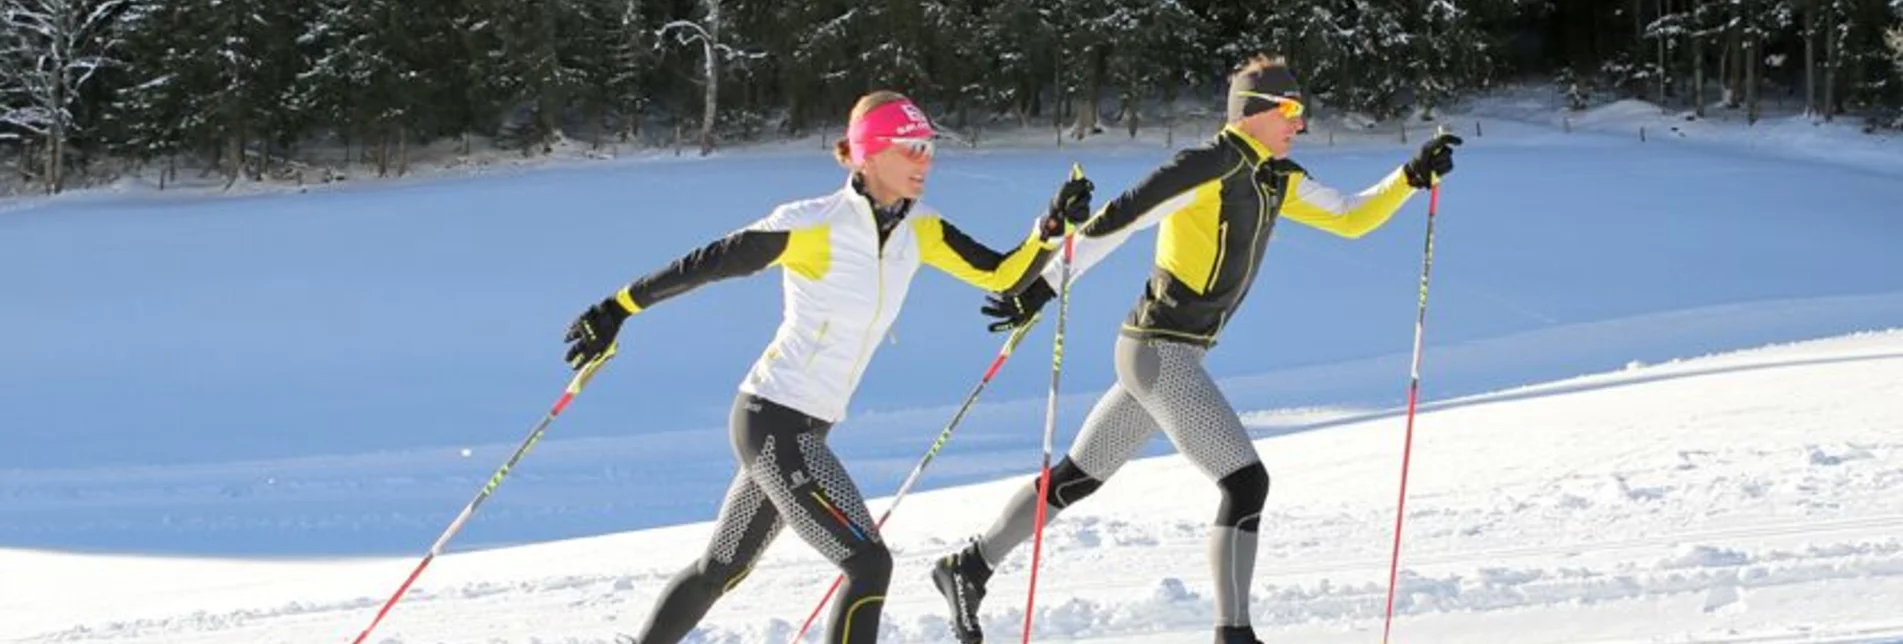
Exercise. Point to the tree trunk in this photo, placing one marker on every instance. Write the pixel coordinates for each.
(1811, 9)
(234, 156)
(1638, 24)
(1831, 48)
(1725, 69)
(1698, 75)
(1132, 113)
(1057, 97)
(1169, 113)
(710, 102)
(1663, 75)
(633, 130)
(56, 151)
(1025, 104)
(383, 154)
(1087, 107)
(1749, 57)
(1734, 68)
(598, 120)
(1752, 60)
(56, 134)
(713, 78)
(1638, 44)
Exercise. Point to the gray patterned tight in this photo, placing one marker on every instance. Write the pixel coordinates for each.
(787, 475)
(1160, 385)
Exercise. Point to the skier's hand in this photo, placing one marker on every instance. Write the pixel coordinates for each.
(1014, 311)
(1070, 207)
(1434, 161)
(594, 331)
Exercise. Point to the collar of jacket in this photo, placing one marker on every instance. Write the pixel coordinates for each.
(886, 217)
(1251, 149)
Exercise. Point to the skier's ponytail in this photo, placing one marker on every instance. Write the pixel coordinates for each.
(842, 152)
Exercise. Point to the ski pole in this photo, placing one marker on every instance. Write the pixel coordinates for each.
(1050, 418)
(1413, 396)
(575, 385)
(944, 435)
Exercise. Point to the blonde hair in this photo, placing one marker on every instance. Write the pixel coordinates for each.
(842, 149)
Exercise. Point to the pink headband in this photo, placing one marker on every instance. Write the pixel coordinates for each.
(874, 131)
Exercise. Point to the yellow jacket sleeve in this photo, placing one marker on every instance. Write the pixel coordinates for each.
(1315, 204)
(948, 249)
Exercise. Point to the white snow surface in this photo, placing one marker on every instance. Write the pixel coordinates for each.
(1744, 497)
(1661, 384)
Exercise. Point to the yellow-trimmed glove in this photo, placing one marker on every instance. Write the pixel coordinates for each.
(590, 335)
(1014, 311)
(1070, 207)
(1434, 161)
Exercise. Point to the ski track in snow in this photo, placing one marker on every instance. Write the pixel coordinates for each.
(1735, 505)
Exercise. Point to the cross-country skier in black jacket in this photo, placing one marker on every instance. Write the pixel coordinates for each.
(1215, 204)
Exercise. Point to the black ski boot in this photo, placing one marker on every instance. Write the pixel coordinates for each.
(1236, 635)
(961, 578)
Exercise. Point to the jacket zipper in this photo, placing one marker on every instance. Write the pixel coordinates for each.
(878, 302)
(1255, 242)
(1222, 247)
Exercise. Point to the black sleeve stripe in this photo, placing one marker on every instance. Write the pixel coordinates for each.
(1190, 168)
(742, 253)
(973, 252)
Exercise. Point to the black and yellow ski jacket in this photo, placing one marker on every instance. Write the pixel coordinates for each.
(1217, 204)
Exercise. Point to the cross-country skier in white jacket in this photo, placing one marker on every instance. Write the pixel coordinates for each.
(848, 260)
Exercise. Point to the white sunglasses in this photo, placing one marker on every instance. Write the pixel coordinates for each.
(915, 148)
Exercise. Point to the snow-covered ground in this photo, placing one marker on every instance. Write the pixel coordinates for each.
(1747, 497)
(240, 418)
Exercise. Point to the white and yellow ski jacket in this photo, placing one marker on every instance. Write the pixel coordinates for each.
(847, 271)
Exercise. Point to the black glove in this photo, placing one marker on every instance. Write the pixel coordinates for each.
(1070, 207)
(591, 334)
(1014, 311)
(1435, 160)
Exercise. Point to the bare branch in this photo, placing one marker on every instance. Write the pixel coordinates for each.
(700, 33)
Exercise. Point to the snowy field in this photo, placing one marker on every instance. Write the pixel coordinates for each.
(1662, 381)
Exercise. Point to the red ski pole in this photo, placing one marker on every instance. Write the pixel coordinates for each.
(1413, 396)
(1010, 344)
(575, 384)
(1050, 422)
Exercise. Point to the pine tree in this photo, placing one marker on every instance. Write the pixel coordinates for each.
(1156, 47)
(1447, 54)
(957, 59)
(1350, 53)
(817, 74)
(367, 80)
(1088, 29)
(154, 112)
(213, 77)
(891, 46)
(1240, 30)
(1894, 38)
(622, 77)
(1019, 35)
